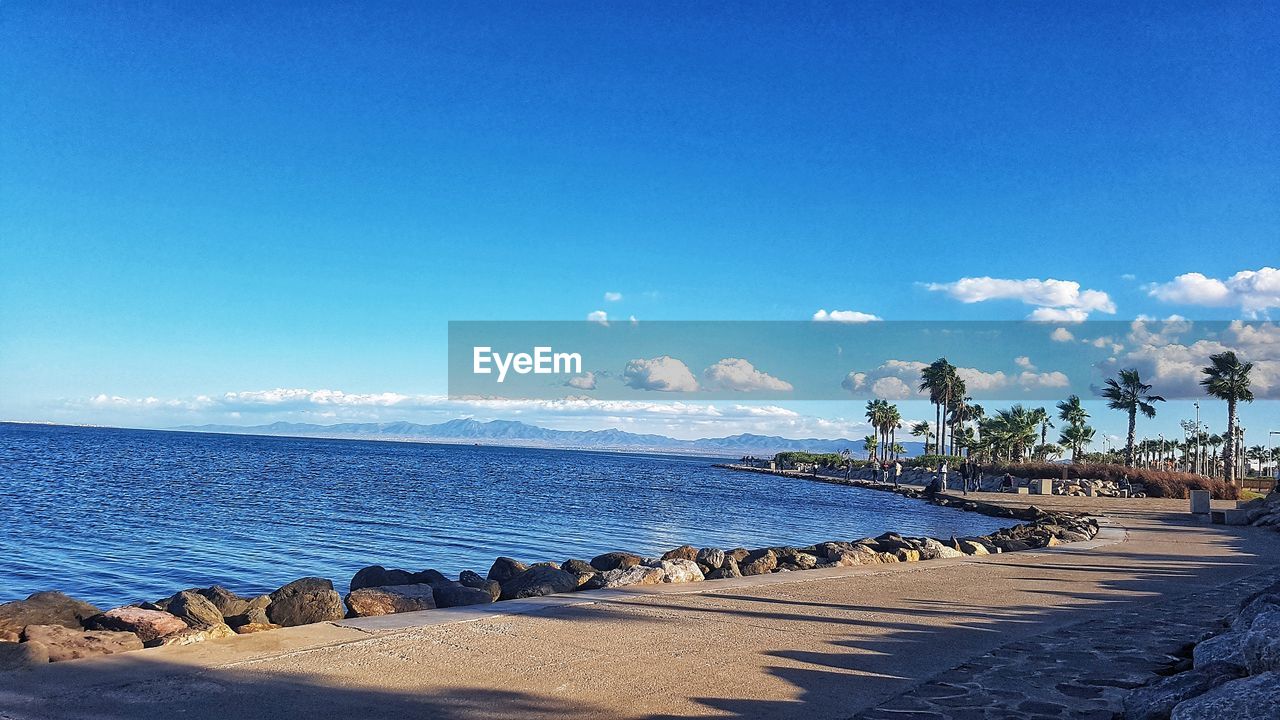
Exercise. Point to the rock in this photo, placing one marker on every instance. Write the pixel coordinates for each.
(1252, 698)
(475, 580)
(1262, 643)
(193, 635)
(710, 557)
(252, 616)
(64, 643)
(887, 557)
(1253, 607)
(684, 552)
(1225, 649)
(305, 601)
(737, 554)
(729, 569)
(680, 571)
(1011, 545)
(615, 561)
(249, 628)
(368, 601)
(891, 542)
(1157, 700)
(44, 608)
(577, 567)
(832, 550)
(505, 568)
(456, 595)
(194, 608)
(969, 547)
(538, 581)
(623, 577)
(146, 624)
(229, 603)
(804, 561)
(378, 576)
(431, 577)
(907, 555)
(760, 562)
(940, 549)
(20, 656)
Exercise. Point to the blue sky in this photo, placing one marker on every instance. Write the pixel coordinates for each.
(200, 201)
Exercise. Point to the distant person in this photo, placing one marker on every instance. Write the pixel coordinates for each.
(1006, 484)
(884, 471)
(897, 472)
(942, 471)
(964, 477)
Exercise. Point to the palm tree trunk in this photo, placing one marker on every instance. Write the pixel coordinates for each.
(937, 440)
(1229, 452)
(1133, 429)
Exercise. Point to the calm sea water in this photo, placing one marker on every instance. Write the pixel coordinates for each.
(118, 516)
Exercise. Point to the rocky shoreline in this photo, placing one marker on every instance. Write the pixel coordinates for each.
(52, 627)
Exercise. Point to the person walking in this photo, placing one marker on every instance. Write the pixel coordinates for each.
(942, 472)
(897, 472)
(964, 477)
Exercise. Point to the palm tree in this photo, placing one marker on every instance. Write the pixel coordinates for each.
(1260, 453)
(1011, 431)
(938, 378)
(1131, 396)
(869, 444)
(922, 430)
(1227, 378)
(1215, 442)
(1076, 436)
(1071, 411)
(1042, 419)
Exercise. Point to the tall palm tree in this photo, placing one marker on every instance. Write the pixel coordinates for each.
(1133, 397)
(937, 378)
(1011, 431)
(1042, 419)
(1215, 442)
(869, 444)
(1226, 378)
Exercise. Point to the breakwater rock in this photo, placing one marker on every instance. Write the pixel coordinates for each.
(50, 627)
(1233, 673)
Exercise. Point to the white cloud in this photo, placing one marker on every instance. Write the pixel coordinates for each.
(845, 316)
(1253, 291)
(891, 388)
(598, 316)
(585, 381)
(1024, 362)
(662, 374)
(1174, 367)
(1061, 335)
(612, 297)
(906, 372)
(1036, 381)
(634, 321)
(976, 380)
(740, 375)
(1055, 300)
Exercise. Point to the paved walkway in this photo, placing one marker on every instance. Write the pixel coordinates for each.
(1051, 633)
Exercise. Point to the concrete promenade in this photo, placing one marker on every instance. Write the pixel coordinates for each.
(1061, 631)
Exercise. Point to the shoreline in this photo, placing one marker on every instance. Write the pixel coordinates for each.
(63, 628)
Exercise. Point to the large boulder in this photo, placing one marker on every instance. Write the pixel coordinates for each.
(710, 558)
(1253, 698)
(252, 616)
(684, 552)
(476, 580)
(368, 601)
(760, 562)
(940, 550)
(194, 609)
(229, 603)
(892, 542)
(972, 547)
(193, 635)
(505, 568)
(20, 656)
(1262, 643)
(538, 581)
(305, 601)
(1225, 649)
(580, 569)
(728, 569)
(146, 624)
(680, 571)
(44, 608)
(378, 576)
(1157, 700)
(457, 594)
(623, 577)
(64, 643)
(615, 561)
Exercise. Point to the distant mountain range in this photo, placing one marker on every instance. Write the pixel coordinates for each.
(509, 432)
